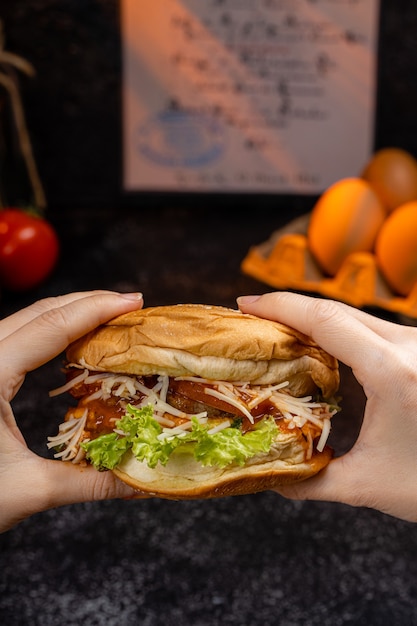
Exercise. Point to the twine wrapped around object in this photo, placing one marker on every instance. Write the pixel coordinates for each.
(9, 62)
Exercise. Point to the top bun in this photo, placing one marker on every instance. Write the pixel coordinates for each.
(212, 342)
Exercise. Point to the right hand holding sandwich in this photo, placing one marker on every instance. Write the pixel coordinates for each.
(380, 470)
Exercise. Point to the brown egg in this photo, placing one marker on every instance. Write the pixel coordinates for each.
(345, 219)
(392, 173)
(396, 248)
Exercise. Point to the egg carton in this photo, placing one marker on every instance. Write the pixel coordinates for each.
(285, 261)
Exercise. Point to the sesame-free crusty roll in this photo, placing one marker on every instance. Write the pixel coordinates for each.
(195, 401)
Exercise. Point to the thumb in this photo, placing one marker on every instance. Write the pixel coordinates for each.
(331, 484)
(68, 483)
(40, 484)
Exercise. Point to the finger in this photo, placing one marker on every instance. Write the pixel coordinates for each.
(345, 480)
(335, 327)
(48, 334)
(66, 483)
(388, 330)
(355, 479)
(15, 321)
(41, 484)
(324, 486)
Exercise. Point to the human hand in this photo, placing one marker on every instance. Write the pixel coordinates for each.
(380, 470)
(29, 483)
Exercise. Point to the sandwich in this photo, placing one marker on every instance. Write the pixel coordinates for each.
(195, 401)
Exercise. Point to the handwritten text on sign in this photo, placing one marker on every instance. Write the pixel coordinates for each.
(236, 95)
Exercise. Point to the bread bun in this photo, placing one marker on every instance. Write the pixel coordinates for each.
(212, 342)
(218, 344)
(183, 478)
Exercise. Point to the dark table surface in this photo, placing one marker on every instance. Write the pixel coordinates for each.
(251, 560)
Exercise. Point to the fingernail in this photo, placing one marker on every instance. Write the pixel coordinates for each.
(132, 296)
(247, 299)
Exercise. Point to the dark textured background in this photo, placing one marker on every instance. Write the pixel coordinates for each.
(73, 106)
(249, 561)
(246, 561)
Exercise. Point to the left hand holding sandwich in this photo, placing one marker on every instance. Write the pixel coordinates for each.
(380, 470)
(29, 483)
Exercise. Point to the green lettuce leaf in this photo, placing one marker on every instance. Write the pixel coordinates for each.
(106, 451)
(230, 445)
(141, 432)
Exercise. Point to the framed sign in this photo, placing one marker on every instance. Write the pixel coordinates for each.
(273, 96)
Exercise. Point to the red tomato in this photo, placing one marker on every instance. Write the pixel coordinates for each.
(29, 249)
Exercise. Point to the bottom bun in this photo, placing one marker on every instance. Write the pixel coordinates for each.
(183, 478)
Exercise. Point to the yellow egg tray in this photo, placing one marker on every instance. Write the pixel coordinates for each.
(284, 261)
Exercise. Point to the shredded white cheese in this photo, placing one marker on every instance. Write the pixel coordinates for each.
(230, 400)
(324, 435)
(219, 427)
(69, 385)
(69, 434)
(243, 396)
(182, 429)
